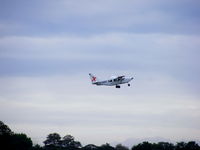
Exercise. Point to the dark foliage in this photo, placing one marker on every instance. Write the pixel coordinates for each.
(106, 147)
(4, 129)
(37, 147)
(21, 141)
(90, 147)
(143, 146)
(14, 141)
(121, 147)
(167, 146)
(55, 142)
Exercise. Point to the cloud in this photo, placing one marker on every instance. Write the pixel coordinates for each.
(174, 55)
(103, 44)
(96, 17)
(47, 49)
(72, 104)
(155, 55)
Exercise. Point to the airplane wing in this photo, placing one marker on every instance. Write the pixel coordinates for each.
(119, 78)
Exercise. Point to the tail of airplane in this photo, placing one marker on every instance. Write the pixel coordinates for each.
(93, 78)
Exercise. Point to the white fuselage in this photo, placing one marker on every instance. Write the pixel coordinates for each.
(113, 82)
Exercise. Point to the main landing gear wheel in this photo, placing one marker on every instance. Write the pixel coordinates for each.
(129, 85)
(117, 86)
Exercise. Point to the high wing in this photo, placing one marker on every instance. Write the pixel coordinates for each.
(119, 78)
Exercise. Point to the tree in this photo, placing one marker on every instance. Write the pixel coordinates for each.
(106, 147)
(5, 136)
(162, 146)
(4, 129)
(121, 147)
(37, 147)
(181, 146)
(90, 147)
(13, 141)
(69, 142)
(21, 141)
(53, 139)
(192, 146)
(143, 146)
(53, 142)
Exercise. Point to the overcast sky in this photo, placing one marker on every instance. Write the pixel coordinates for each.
(48, 47)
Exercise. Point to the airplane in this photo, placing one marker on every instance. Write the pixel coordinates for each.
(114, 81)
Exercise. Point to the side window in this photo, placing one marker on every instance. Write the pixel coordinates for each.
(109, 80)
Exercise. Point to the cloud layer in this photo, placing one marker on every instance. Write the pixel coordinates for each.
(47, 49)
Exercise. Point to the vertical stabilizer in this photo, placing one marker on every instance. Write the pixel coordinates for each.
(93, 78)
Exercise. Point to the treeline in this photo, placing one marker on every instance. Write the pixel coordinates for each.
(14, 141)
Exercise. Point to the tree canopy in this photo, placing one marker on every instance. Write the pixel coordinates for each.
(4, 129)
(13, 141)
(19, 141)
(54, 141)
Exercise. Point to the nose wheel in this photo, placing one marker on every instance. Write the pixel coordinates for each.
(129, 85)
(117, 86)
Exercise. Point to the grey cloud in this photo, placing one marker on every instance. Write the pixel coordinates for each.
(180, 117)
(174, 55)
(90, 17)
(47, 49)
(71, 103)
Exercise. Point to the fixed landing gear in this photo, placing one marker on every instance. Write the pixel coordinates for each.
(117, 86)
(129, 85)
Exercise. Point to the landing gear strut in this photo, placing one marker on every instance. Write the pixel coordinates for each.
(129, 85)
(117, 86)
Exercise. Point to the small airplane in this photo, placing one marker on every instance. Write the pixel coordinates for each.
(114, 81)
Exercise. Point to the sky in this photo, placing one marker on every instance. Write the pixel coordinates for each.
(48, 47)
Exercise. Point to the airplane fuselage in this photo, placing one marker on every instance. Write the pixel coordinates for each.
(113, 82)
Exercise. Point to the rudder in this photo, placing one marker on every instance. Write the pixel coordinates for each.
(92, 78)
